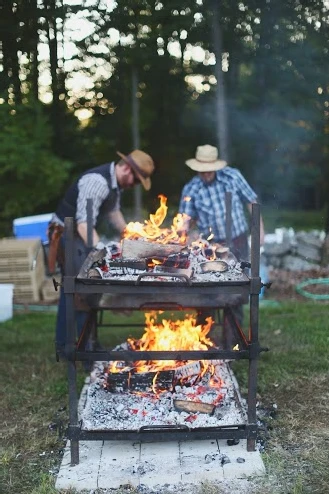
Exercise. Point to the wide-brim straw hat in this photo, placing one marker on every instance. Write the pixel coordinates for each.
(206, 159)
(142, 165)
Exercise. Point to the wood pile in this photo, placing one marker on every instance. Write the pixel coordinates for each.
(22, 263)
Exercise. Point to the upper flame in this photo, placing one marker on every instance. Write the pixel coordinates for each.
(151, 230)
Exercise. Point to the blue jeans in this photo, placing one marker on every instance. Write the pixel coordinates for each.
(79, 255)
(80, 319)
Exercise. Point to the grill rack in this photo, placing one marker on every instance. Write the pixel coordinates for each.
(168, 295)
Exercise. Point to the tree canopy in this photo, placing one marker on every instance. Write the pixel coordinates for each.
(263, 64)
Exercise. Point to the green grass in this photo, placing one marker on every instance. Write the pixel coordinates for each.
(296, 219)
(293, 374)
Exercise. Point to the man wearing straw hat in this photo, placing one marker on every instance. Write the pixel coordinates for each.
(103, 184)
(203, 201)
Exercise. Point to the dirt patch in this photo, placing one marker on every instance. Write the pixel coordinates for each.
(284, 283)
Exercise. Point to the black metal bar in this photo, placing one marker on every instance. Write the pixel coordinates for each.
(161, 355)
(228, 221)
(226, 432)
(89, 223)
(70, 339)
(107, 286)
(254, 315)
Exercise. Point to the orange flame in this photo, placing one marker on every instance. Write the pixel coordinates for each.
(170, 335)
(151, 230)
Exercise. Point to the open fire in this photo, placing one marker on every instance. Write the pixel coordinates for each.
(151, 229)
(128, 395)
(165, 374)
(150, 248)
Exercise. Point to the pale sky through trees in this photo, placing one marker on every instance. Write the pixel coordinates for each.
(78, 27)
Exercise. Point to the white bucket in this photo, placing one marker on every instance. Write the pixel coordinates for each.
(6, 301)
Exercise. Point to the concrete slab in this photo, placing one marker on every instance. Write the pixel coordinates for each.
(119, 464)
(84, 475)
(112, 464)
(160, 462)
(237, 468)
(200, 461)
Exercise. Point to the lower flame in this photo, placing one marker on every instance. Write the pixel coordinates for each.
(172, 335)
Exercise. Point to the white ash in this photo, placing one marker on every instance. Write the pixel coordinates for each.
(129, 411)
(196, 257)
(234, 273)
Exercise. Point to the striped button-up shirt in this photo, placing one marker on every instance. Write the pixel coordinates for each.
(95, 186)
(205, 203)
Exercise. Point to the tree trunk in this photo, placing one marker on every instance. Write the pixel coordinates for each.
(136, 137)
(10, 50)
(221, 112)
(51, 29)
(32, 20)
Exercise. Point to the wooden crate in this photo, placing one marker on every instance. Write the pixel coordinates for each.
(22, 263)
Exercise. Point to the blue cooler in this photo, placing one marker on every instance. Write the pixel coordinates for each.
(32, 226)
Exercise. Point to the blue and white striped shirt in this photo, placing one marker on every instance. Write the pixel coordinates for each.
(94, 185)
(205, 203)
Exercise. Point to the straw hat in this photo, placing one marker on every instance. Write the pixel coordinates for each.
(142, 165)
(206, 160)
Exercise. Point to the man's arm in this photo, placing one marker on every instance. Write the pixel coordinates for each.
(117, 220)
(115, 217)
(261, 226)
(82, 231)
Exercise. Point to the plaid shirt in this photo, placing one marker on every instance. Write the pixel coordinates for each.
(205, 203)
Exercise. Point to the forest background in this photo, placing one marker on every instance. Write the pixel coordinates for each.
(80, 80)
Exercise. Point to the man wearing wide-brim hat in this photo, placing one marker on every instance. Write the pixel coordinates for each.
(203, 201)
(103, 184)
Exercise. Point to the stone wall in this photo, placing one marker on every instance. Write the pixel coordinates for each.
(293, 251)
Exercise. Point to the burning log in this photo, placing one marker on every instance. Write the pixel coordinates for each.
(194, 406)
(147, 380)
(173, 271)
(118, 381)
(136, 264)
(188, 370)
(140, 249)
(94, 274)
(142, 381)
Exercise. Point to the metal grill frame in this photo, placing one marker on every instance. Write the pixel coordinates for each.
(221, 295)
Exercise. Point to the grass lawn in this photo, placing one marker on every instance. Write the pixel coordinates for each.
(293, 376)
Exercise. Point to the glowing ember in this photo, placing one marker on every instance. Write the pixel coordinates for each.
(151, 230)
